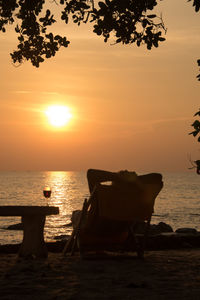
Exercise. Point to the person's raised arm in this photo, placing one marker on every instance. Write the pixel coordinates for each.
(95, 176)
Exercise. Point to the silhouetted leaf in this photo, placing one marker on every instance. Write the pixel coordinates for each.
(118, 40)
(197, 113)
(196, 124)
(155, 43)
(48, 13)
(151, 16)
(194, 133)
(144, 23)
(17, 29)
(102, 5)
(21, 38)
(149, 46)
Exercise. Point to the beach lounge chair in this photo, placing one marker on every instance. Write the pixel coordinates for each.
(109, 218)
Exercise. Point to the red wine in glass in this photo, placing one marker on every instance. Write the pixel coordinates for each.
(47, 192)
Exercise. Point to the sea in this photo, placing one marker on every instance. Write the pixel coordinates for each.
(178, 204)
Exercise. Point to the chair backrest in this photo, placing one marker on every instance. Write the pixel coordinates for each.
(127, 203)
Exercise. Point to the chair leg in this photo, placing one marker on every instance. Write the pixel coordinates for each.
(146, 233)
(138, 248)
(144, 241)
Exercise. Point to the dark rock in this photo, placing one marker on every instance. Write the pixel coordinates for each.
(163, 227)
(173, 241)
(186, 230)
(154, 228)
(18, 226)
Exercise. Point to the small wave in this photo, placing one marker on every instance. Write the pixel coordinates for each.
(194, 215)
(161, 216)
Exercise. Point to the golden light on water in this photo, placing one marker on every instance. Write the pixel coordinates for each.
(58, 115)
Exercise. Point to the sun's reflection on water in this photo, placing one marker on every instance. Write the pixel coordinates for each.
(68, 192)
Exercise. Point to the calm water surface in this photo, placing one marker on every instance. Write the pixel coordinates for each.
(178, 204)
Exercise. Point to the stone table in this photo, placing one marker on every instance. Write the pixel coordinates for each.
(33, 220)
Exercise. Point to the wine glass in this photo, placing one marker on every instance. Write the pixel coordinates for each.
(47, 192)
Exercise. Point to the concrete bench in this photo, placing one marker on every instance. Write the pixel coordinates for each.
(33, 220)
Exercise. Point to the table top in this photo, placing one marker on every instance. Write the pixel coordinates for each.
(13, 210)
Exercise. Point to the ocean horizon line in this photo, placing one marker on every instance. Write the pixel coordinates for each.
(112, 170)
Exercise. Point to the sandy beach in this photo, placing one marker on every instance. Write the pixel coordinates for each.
(168, 274)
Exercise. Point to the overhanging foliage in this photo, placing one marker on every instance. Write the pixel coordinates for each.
(125, 21)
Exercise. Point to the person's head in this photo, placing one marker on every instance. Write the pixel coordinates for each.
(126, 180)
(125, 175)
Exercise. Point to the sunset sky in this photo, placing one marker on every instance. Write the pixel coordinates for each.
(130, 108)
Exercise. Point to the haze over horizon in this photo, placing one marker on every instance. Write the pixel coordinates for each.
(131, 108)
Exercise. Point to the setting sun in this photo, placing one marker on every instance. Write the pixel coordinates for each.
(58, 115)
